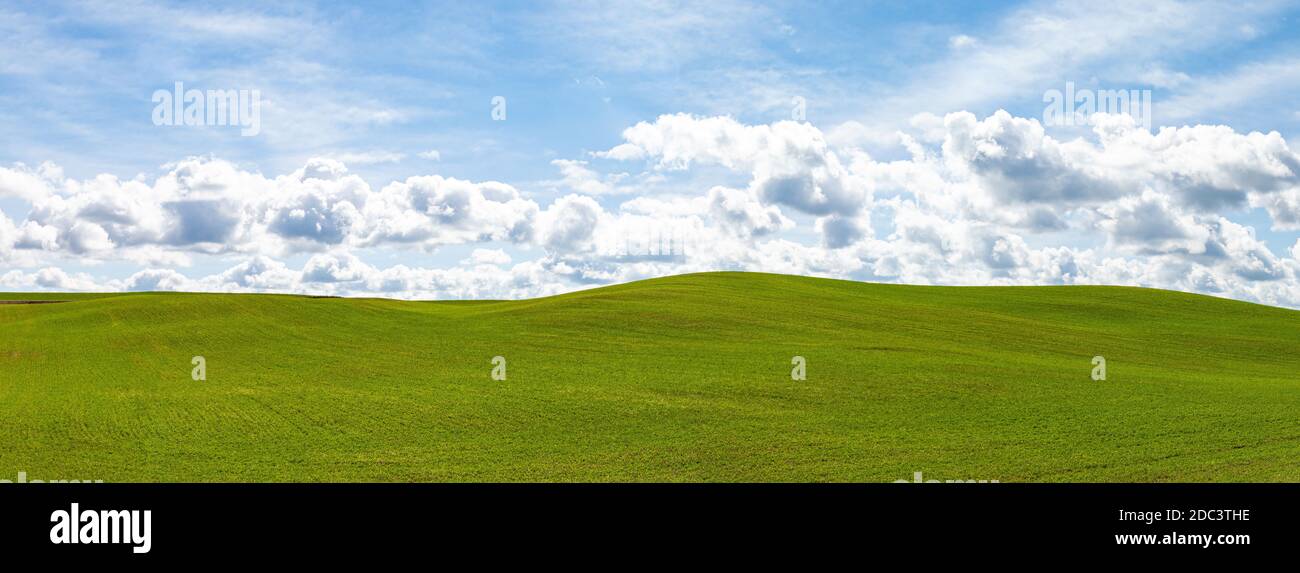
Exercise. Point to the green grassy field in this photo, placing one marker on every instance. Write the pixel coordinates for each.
(680, 378)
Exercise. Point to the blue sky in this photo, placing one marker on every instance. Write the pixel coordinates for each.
(394, 91)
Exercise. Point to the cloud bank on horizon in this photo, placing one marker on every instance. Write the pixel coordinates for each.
(484, 152)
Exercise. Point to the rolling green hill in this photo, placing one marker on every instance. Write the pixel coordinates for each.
(680, 378)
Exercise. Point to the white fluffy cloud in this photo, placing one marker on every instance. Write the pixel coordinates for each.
(435, 211)
(569, 225)
(335, 268)
(48, 278)
(790, 163)
(995, 200)
(8, 236)
(967, 207)
(211, 206)
(494, 257)
(741, 213)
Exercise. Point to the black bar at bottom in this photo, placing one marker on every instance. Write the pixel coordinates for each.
(323, 522)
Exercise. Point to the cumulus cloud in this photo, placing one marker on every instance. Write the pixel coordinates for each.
(49, 278)
(335, 268)
(741, 213)
(8, 237)
(840, 231)
(210, 206)
(158, 280)
(1151, 224)
(22, 182)
(790, 163)
(1283, 207)
(974, 187)
(316, 207)
(433, 211)
(970, 200)
(569, 224)
(260, 274)
(487, 257)
(1017, 163)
